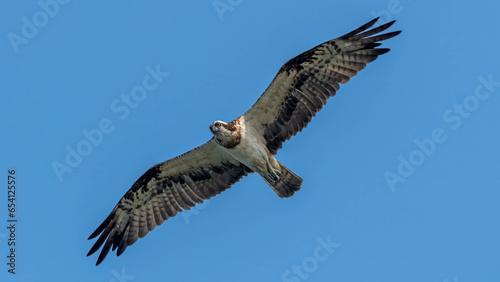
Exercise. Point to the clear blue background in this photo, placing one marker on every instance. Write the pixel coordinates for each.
(440, 224)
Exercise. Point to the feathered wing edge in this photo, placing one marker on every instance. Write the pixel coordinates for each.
(303, 84)
(163, 191)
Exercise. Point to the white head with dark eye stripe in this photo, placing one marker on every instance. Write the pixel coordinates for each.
(226, 134)
(217, 127)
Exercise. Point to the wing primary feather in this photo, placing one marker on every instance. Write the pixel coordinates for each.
(150, 218)
(103, 225)
(143, 230)
(106, 247)
(123, 243)
(117, 240)
(361, 28)
(374, 39)
(377, 52)
(372, 31)
(101, 239)
(162, 192)
(313, 77)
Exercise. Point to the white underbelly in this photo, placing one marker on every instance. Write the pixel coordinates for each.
(251, 153)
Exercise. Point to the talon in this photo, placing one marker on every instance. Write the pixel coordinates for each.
(274, 175)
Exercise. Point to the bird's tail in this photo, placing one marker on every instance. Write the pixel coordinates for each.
(288, 183)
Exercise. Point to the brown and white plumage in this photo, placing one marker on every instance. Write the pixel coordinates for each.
(163, 191)
(304, 84)
(299, 90)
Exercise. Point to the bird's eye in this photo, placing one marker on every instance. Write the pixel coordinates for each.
(217, 124)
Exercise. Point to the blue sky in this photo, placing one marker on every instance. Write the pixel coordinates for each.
(400, 168)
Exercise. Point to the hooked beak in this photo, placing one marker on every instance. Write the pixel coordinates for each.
(212, 129)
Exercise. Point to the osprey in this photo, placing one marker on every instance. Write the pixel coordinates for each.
(245, 145)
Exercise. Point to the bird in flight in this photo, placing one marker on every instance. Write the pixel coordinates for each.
(245, 145)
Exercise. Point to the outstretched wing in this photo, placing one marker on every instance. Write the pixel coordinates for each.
(303, 84)
(163, 191)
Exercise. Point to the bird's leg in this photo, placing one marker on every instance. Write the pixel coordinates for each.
(273, 169)
(274, 175)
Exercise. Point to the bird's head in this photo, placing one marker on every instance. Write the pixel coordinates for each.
(218, 127)
(226, 134)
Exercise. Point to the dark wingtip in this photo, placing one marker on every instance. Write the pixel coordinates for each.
(93, 235)
(121, 248)
(100, 241)
(386, 25)
(392, 34)
(382, 51)
(100, 259)
(397, 32)
(382, 37)
(361, 28)
(369, 24)
(104, 252)
(390, 23)
(94, 248)
(103, 225)
(374, 51)
(372, 22)
(96, 232)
